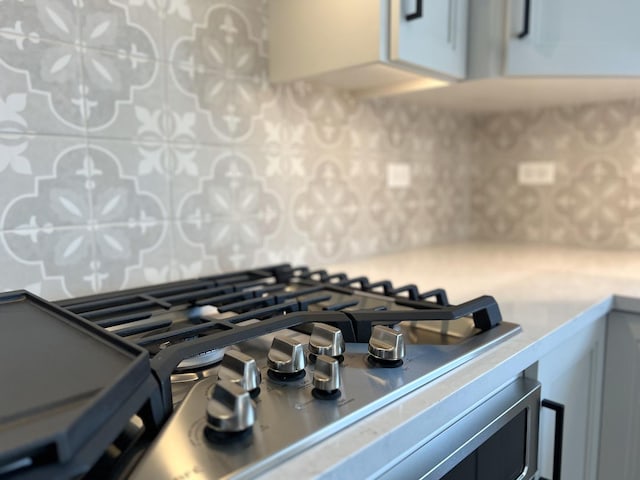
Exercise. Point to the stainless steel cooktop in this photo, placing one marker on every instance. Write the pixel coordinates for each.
(222, 376)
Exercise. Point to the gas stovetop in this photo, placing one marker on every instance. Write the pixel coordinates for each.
(220, 376)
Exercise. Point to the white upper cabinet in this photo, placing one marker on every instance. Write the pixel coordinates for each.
(430, 34)
(573, 37)
(368, 44)
(492, 54)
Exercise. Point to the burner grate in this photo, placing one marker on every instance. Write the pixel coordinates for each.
(184, 319)
(170, 314)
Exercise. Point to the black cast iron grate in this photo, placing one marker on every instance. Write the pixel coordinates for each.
(183, 319)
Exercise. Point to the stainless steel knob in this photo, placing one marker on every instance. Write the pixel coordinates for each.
(286, 358)
(386, 346)
(326, 378)
(326, 340)
(230, 409)
(242, 370)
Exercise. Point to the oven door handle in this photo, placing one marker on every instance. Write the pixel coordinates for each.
(558, 409)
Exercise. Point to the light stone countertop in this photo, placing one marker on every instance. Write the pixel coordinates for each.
(552, 292)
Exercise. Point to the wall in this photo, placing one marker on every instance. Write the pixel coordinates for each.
(595, 200)
(141, 142)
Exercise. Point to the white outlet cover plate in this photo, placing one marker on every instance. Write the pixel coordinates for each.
(398, 175)
(536, 173)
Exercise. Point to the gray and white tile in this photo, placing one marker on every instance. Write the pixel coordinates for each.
(50, 183)
(125, 252)
(106, 25)
(135, 111)
(325, 209)
(113, 83)
(230, 213)
(24, 110)
(41, 20)
(221, 66)
(131, 181)
(51, 70)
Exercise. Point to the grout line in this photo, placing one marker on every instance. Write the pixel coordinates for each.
(131, 140)
(85, 226)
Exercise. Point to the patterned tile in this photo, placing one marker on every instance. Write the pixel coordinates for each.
(398, 122)
(25, 110)
(107, 25)
(69, 252)
(137, 112)
(186, 176)
(283, 155)
(180, 19)
(51, 70)
(600, 124)
(82, 215)
(41, 20)
(365, 130)
(448, 132)
(25, 266)
(125, 253)
(188, 259)
(443, 197)
(138, 174)
(49, 183)
(593, 202)
(392, 212)
(183, 109)
(503, 210)
(595, 207)
(113, 82)
(504, 131)
(141, 142)
(328, 112)
(364, 169)
(326, 209)
(222, 68)
(149, 16)
(229, 213)
(87, 258)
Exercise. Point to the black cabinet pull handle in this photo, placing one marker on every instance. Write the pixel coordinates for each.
(527, 14)
(558, 408)
(417, 13)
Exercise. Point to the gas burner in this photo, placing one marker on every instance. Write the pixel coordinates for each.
(200, 361)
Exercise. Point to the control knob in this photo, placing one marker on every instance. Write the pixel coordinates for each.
(241, 369)
(326, 378)
(386, 346)
(230, 411)
(286, 359)
(326, 340)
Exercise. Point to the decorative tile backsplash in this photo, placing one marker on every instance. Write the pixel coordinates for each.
(595, 199)
(140, 141)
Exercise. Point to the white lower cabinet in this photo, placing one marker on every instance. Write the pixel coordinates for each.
(572, 374)
(620, 439)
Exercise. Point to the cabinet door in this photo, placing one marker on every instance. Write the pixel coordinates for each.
(436, 40)
(572, 375)
(620, 443)
(574, 37)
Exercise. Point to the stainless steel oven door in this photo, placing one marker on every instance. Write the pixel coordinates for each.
(497, 440)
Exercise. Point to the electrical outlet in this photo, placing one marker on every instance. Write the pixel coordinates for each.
(536, 173)
(398, 175)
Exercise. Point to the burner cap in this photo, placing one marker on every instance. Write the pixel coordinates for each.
(200, 361)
